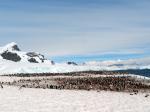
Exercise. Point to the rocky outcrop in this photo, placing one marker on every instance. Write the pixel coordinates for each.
(72, 63)
(52, 62)
(11, 56)
(34, 55)
(32, 60)
(16, 48)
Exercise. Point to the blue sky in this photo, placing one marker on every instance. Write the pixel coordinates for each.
(114, 28)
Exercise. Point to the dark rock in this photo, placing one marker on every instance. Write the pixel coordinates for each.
(11, 56)
(53, 63)
(72, 63)
(32, 54)
(15, 47)
(32, 60)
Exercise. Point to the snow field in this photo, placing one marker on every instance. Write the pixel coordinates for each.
(45, 100)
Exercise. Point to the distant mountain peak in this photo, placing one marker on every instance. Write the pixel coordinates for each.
(11, 46)
(12, 52)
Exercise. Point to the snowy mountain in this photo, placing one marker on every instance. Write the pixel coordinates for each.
(13, 53)
(13, 60)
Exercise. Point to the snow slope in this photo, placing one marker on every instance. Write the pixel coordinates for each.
(38, 64)
(44, 100)
(9, 67)
(11, 49)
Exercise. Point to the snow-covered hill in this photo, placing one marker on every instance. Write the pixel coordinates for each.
(13, 60)
(12, 52)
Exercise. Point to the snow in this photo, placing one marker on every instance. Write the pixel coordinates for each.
(9, 67)
(23, 55)
(45, 100)
(24, 66)
(8, 47)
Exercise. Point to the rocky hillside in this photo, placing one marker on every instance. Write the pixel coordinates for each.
(13, 53)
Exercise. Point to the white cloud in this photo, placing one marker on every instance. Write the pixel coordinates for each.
(123, 64)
